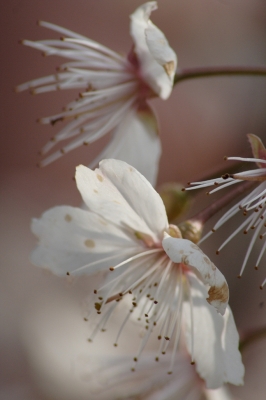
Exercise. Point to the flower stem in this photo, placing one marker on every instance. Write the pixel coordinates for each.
(207, 72)
(204, 215)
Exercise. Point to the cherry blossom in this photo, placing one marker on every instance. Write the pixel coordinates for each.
(251, 205)
(169, 283)
(114, 92)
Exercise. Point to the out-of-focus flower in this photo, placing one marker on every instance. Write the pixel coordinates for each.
(57, 351)
(168, 276)
(109, 377)
(252, 205)
(114, 93)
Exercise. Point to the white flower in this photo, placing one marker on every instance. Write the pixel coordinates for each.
(114, 93)
(252, 205)
(169, 278)
(109, 377)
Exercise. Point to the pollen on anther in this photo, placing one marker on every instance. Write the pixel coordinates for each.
(146, 315)
(115, 344)
(217, 252)
(155, 302)
(111, 268)
(239, 276)
(256, 267)
(135, 359)
(85, 319)
(95, 291)
(133, 369)
(68, 273)
(89, 340)
(167, 338)
(192, 363)
(169, 372)
(261, 287)
(159, 337)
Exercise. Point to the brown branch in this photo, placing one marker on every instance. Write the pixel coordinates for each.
(208, 72)
(213, 208)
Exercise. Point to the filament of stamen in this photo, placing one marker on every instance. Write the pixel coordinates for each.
(98, 262)
(178, 323)
(191, 319)
(263, 283)
(261, 253)
(123, 325)
(232, 182)
(235, 232)
(103, 321)
(137, 256)
(251, 244)
(247, 159)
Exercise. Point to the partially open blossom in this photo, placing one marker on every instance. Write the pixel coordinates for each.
(252, 205)
(114, 92)
(170, 282)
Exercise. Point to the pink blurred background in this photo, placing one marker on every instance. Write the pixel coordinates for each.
(201, 122)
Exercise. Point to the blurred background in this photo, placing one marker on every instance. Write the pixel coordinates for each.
(41, 319)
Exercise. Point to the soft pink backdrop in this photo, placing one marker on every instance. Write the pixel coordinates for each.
(201, 122)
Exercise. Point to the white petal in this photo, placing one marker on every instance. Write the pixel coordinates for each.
(233, 363)
(136, 141)
(123, 196)
(152, 72)
(138, 193)
(70, 238)
(218, 394)
(213, 360)
(161, 51)
(185, 252)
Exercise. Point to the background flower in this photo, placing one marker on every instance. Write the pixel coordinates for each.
(114, 90)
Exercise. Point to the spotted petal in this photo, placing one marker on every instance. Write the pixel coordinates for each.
(70, 238)
(215, 340)
(156, 70)
(185, 252)
(123, 196)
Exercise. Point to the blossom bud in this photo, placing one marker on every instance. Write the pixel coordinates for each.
(175, 200)
(191, 230)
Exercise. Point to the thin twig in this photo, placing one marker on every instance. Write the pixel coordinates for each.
(216, 206)
(208, 72)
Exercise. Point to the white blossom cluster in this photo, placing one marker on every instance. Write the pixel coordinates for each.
(151, 272)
